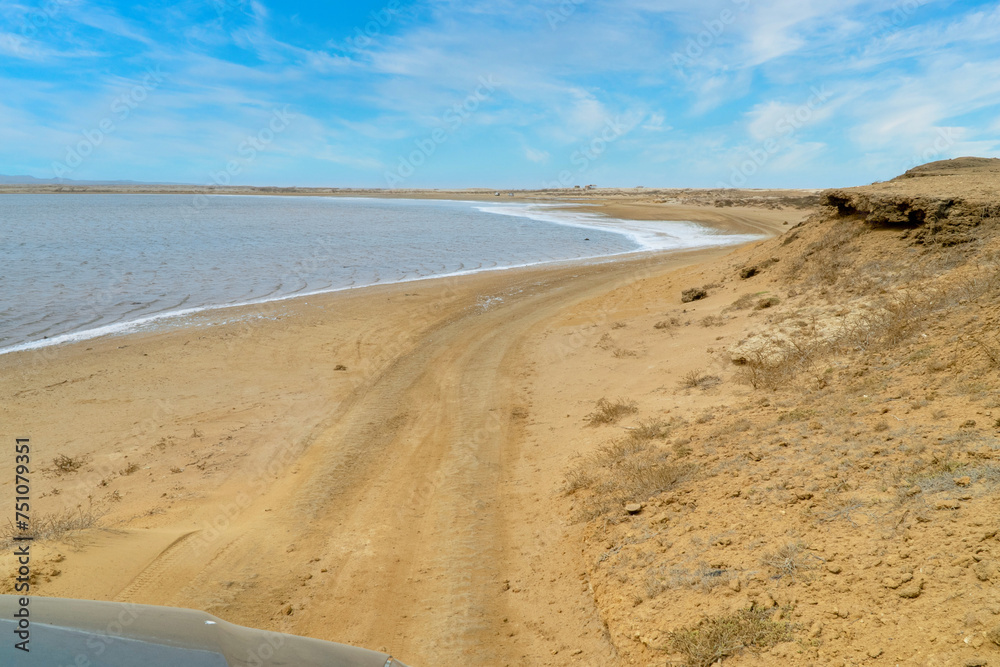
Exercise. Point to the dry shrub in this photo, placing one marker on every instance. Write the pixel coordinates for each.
(698, 380)
(988, 348)
(982, 280)
(712, 321)
(788, 560)
(880, 325)
(628, 470)
(54, 525)
(720, 637)
(744, 302)
(579, 477)
(622, 353)
(888, 322)
(703, 577)
(763, 370)
(607, 412)
(832, 256)
(650, 430)
(63, 464)
(768, 302)
(693, 294)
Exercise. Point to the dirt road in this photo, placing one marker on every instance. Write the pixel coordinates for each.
(398, 526)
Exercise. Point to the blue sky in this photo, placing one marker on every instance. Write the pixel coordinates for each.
(498, 93)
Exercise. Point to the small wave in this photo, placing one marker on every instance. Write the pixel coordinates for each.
(647, 235)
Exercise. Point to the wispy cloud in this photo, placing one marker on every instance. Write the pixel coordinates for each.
(702, 84)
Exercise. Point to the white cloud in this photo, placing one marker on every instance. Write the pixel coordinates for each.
(656, 123)
(536, 155)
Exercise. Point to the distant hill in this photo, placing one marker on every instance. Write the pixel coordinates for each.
(960, 166)
(31, 180)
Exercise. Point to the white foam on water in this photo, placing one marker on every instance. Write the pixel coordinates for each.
(649, 235)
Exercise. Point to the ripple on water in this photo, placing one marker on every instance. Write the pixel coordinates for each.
(84, 261)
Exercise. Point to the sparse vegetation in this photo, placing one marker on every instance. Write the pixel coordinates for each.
(608, 412)
(630, 469)
(650, 430)
(768, 302)
(720, 637)
(693, 294)
(990, 349)
(764, 371)
(672, 323)
(745, 301)
(698, 380)
(63, 464)
(703, 578)
(788, 560)
(876, 444)
(129, 469)
(55, 525)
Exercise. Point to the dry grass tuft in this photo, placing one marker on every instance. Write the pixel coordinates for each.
(699, 380)
(650, 430)
(63, 464)
(762, 370)
(767, 302)
(607, 412)
(703, 578)
(672, 323)
(53, 526)
(631, 469)
(129, 469)
(745, 301)
(788, 560)
(990, 349)
(715, 639)
(693, 294)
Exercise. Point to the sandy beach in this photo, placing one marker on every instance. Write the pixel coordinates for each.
(364, 467)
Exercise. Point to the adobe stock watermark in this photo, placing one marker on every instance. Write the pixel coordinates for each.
(378, 21)
(252, 146)
(42, 17)
(946, 138)
(586, 155)
(223, 7)
(560, 15)
(121, 109)
(784, 129)
(697, 45)
(452, 119)
(901, 14)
